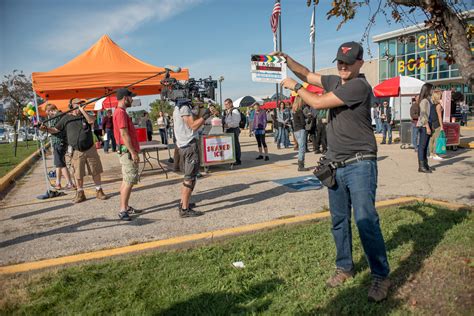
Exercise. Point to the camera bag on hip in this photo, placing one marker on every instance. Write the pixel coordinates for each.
(326, 172)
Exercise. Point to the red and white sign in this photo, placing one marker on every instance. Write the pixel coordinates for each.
(218, 149)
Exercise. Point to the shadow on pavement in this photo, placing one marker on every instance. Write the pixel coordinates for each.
(73, 228)
(424, 237)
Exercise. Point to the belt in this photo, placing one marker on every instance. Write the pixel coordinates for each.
(357, 158)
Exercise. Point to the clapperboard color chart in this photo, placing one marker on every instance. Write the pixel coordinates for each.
(269, 69)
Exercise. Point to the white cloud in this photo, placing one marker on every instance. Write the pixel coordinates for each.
(79, 30)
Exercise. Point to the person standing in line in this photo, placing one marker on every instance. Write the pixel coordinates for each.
(415, 114)
(108, 127)
(387, 122)
(436, 123)
(59, 144)
(321, 140)
(424, 126)
(250, 117)
(259, 123)
(129, 148)
(283, 119)
(162, 122)
(231, 125)
(299, 109)
(352, 151)
(148, 125)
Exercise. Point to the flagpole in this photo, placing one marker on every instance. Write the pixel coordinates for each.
(314, 36)
(280, 49)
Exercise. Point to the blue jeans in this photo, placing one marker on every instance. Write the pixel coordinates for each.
(283, 138)
(301, 139)
(378, 125)
(355, 188)
(110, 138)
(163, 136)
(423, 145)
(386, 127)
(414, 135)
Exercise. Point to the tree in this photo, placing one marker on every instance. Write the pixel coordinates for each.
(160, 105)
(447, 18)
(16, 92)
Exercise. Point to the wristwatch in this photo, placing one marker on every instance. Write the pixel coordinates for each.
(297, 87)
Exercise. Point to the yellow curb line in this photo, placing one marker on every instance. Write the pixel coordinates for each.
(467, 145)
(11, 176)
(36, 265)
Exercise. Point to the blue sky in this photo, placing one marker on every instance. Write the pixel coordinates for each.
(210, 37)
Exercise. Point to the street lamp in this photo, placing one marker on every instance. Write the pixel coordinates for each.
(221, 78)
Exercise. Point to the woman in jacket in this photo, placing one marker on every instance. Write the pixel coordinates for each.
(258, 128)
(299, 121)
(424, 124)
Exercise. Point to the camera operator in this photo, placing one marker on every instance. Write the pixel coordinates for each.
(352, 154)
(78, 127)
(231, 125)
(186, 133)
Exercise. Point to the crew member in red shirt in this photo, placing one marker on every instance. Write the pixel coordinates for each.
(128, 149)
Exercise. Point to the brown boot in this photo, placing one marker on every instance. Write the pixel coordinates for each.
(101, 195)
(339, 277)
(80, 197)
(379, 289)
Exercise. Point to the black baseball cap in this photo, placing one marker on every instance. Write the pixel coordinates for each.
(122, 92)
(349, 53)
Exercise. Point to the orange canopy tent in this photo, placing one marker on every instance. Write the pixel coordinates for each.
(62, 105)
(100, 69)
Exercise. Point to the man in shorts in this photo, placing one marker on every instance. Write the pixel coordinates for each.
(78, 127)
(59, 144)
(128, 146)
(186, 133)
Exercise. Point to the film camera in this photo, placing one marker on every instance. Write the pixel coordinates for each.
(173, 89)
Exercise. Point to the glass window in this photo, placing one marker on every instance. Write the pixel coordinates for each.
(431, 40)
(421, 42)
(382, 48)
(455, 73)
(432, 61)
(392, 47)
(392, 67)
(443, 74)
(401, 46)
(432, 76)
(383, 69)
(411, 44)
(443, 64)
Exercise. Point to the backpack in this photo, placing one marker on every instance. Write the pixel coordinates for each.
(415, 110)
(243, 120)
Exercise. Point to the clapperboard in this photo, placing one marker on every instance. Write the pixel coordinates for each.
(266, 68)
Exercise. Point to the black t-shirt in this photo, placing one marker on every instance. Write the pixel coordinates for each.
(78, 131)
(349, 130)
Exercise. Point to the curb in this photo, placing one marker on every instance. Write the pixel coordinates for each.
(467, 145)
(14, 174)
(186, 240)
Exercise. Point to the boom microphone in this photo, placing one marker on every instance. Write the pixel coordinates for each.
(173, 68)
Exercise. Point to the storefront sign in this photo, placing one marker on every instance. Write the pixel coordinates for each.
(217, 149)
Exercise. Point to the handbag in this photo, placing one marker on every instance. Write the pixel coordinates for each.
(440, 148)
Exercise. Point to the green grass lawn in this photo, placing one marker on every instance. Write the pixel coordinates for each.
(430, 251)
(7, 159)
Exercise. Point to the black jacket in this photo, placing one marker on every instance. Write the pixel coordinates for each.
(387, 112)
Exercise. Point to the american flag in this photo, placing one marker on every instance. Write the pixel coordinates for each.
(274, 17)
(311, 30)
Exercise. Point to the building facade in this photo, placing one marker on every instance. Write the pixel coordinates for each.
(413, 52)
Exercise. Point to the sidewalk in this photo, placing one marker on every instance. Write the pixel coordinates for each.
(33, 229)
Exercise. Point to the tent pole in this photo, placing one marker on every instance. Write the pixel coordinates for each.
(49, 188)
